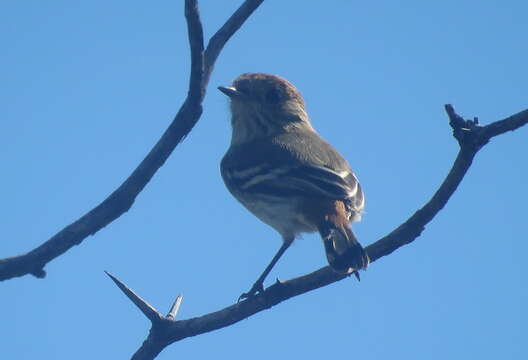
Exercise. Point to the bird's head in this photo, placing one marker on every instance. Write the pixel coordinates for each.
(264, 105)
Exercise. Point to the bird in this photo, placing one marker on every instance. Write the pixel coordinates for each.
(281, 170)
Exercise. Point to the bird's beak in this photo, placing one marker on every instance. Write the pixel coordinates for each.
(230, 91)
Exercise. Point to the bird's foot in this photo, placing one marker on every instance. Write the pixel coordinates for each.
(257, 287)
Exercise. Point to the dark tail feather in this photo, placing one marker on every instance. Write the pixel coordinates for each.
(344, 253)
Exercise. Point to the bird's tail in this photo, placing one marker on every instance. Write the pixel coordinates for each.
(343, 251)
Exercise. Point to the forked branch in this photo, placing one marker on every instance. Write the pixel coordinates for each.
(471, 138)
(122, 199)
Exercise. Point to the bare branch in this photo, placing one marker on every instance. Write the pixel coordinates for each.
(122, 199)
(220, 38)
(196, 42)
(471, 137)
(509, 124)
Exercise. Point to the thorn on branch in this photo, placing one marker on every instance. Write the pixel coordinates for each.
(174, 308)
(148, 310)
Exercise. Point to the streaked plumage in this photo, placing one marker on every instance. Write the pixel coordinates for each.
(282, 171)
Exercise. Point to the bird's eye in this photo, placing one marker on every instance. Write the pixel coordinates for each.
(243, 89)
(272, 97)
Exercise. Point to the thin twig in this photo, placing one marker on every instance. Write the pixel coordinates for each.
(196, 43)
(222, 36)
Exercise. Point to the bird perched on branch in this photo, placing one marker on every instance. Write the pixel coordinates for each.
(283, 172)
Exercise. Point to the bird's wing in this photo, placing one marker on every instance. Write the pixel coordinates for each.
(278, 169)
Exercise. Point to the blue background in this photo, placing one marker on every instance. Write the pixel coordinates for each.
(87, 89)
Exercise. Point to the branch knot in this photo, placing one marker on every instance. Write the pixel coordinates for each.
(466, 131)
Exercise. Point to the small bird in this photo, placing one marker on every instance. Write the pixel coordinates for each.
(289, 177)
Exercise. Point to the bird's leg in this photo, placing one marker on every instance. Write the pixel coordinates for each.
(258, 286)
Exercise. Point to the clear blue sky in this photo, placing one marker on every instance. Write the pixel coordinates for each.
(87, 89)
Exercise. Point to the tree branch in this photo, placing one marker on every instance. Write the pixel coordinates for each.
(122, 199)
(471, 137)
(220, 38)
